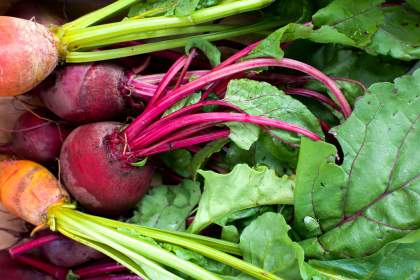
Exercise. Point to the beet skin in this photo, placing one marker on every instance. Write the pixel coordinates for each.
(97, 180)
(38, 139)
(85, 93)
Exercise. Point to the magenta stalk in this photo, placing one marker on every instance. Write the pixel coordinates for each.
(143, 120)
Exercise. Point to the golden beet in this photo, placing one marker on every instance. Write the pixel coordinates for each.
(27, 189)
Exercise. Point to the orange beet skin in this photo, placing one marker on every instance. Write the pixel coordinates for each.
(27, 189)
(28, 54)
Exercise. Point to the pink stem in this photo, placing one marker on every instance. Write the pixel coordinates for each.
(99, 269)
(156, 78)
(184, 133)
(32, 244)
(144, 119)
(165, 81)
(57, 272)
(312, 94)
(218, 117)
(165, 120)
(117, 277)
(186, 66)
(183, 143)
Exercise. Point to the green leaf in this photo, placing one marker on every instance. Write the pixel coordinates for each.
(167, 207)
(179, 161)
(266, 243)
(293, 31)
(399, 259)
(169, 7)
(211, 51)
(350, 63)
(373, 197)
(266, 151)
(399, 37)
(243, 134)
(140, 163)
(189, 100)
(357, 19)
(72, 276)
(200, 158)
(415, 4)
(262, 99)
(240, 189)
(363, 24)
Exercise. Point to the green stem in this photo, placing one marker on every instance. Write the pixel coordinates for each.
(158, 33)
(161, 235)
(90, 35)
(109, 251)
(97, 15)
(134, 248)
(80, 57)
(186, 243)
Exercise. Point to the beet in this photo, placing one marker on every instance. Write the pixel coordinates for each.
(85, 93)
(95, 177)
(37, 138)
(13, 270)
(69, 253)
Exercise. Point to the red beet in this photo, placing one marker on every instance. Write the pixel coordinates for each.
(95, 177)
(86, 93)
(68, 253)
(37, 138)
(13, 270)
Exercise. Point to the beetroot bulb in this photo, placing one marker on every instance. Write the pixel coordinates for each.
(36, 137)
(93, 92)
(104, 165)
(97, 179)
(85, 93)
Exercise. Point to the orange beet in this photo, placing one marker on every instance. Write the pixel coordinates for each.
(28, 54)
(27, 189)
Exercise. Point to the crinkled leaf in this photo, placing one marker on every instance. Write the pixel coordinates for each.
(262, 99)
(357, 19)
(240, 189)
(200, 158)
(167, 207)
(211, 51)
(266, 151)
(169, 7)
(293, 31)
(363, 24)
(179, 161)
(399, 37)
(399, 259)
(233, 224)
(373, 197)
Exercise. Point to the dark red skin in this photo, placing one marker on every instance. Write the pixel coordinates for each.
(69, 253)
(38, 139)
(85, 93)
(13, 270)
(95, 177)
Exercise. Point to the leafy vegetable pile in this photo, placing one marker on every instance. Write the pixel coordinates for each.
(293, 157)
